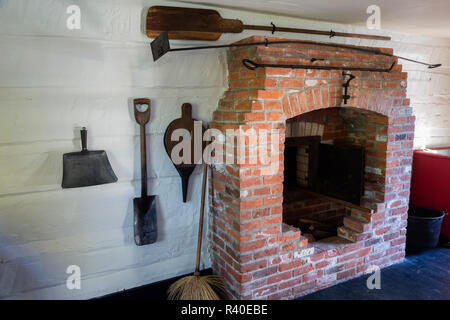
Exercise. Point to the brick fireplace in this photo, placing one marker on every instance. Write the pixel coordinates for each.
(266, 236)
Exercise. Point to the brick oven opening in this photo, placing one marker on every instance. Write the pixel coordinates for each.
(332, 160)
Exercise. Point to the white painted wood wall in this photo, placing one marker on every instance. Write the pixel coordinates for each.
(54, 80)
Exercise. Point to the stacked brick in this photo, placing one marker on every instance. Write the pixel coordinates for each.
(258, 255)
(313, 208)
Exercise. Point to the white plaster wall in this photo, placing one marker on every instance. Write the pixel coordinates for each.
(54, 80)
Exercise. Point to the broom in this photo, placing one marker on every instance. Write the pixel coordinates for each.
(198, 287)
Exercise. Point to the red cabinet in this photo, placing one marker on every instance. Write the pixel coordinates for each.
(430, 184)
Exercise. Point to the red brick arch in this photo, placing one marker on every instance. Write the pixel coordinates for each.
(316, 98)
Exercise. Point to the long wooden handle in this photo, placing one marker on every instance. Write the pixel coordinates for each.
(142, 118)
(143, 161)
(319, 32)
(200, 223)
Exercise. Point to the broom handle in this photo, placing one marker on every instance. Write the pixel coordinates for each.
(200, 223)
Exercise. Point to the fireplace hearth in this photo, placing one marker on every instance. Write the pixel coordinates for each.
(334, 202)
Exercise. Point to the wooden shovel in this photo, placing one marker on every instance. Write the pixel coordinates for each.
(205, 24)
(145, 228)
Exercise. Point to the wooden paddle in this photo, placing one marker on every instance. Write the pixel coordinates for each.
(205, 24)
(172, 140)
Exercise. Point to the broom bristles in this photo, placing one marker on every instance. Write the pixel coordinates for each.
(196, 288)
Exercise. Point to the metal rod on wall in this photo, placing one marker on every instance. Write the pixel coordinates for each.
(160, 46)
(249, 64)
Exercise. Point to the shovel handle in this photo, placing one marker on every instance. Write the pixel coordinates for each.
(83, 133)
(142, 117)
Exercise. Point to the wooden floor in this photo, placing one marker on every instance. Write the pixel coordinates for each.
(424, 276)
(421, 276)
